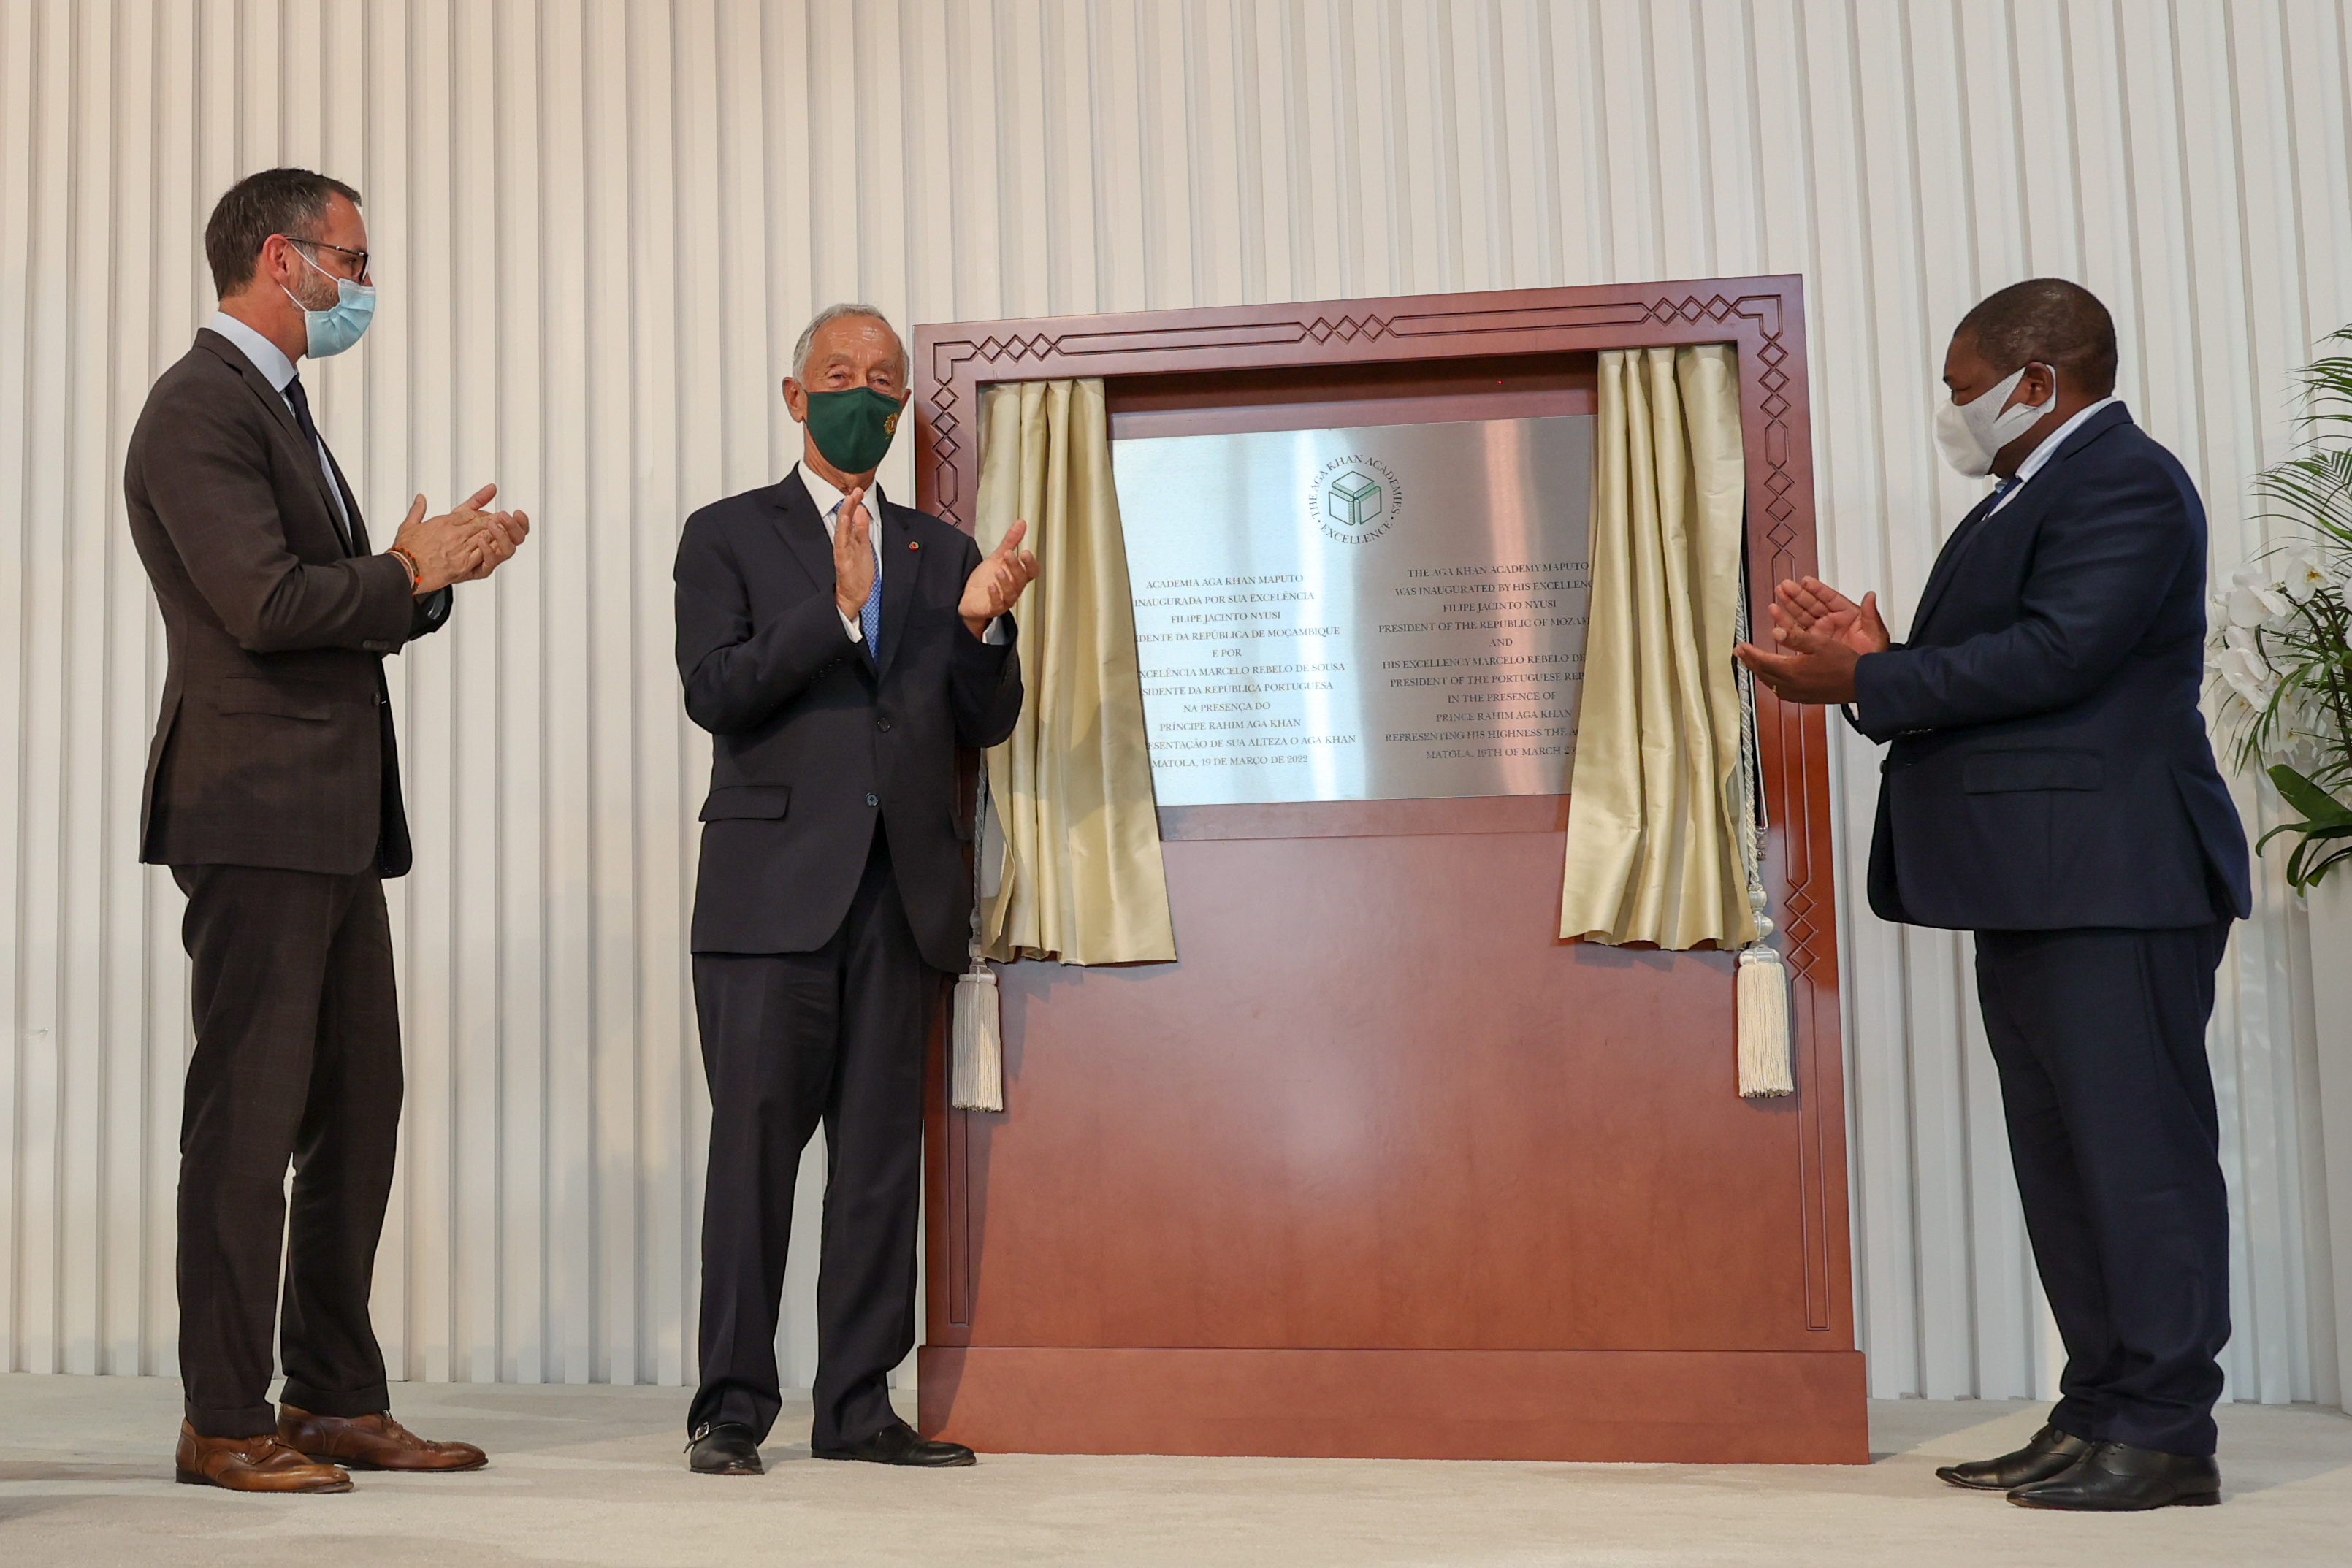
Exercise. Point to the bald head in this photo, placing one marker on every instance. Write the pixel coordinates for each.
(2045, 321)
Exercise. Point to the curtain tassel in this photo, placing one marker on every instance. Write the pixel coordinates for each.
(1762, 994)
(977, 1080)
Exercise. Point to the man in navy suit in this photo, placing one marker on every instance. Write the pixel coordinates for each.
(837, 664)
(2049, 786)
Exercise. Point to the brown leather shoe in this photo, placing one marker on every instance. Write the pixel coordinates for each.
(260, 1463)
(371, 1443)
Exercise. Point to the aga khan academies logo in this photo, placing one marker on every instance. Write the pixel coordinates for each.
(1354, 499)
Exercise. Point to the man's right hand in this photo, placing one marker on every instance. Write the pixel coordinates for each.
(1811, 605)
(461, 544)
(853, 555)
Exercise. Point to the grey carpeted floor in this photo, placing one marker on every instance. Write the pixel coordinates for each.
(594, 1475)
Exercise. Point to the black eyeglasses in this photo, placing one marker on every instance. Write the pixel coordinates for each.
(359, 256)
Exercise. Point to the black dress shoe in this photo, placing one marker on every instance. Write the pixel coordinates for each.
(725, 1449)
(2049, 1453)
(2116, 1478)
(898, 1445)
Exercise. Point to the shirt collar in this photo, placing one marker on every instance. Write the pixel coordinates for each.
(2038, 458)
(265, 356)
(826, 497)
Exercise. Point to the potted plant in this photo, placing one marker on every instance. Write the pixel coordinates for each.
(2284, 679)
(2280, 654)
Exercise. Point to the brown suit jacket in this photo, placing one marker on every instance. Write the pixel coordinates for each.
(274, 747)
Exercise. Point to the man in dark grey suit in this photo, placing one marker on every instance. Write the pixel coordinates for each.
(273, 793)
(838, 665)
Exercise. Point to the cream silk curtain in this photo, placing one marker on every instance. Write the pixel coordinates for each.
(1071, 790)
(1654, 800)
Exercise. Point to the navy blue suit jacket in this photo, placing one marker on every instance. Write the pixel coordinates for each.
(2048, 768)
(811, 742)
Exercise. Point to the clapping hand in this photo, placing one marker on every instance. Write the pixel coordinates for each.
(1812, 605)
(463, 545)
(996, 583)
(501, 535)
(1820, 635)
(853, 555)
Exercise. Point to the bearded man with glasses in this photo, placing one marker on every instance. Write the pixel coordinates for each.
(273, 793)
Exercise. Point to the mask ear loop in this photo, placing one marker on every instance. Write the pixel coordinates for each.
(2036, 409)
(2006, 424)
(321, 271)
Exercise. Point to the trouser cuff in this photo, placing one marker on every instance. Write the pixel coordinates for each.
(343, 1404)
(726, 1400)
(237, 1421)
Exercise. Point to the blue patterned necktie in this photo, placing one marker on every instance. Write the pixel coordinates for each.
(869, 614)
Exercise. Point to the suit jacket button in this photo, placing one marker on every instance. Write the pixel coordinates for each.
(873, 799)
(881, 723)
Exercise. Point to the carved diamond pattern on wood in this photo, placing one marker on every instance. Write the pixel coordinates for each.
(1797, 927)
(1766, 403)
(1347, 329)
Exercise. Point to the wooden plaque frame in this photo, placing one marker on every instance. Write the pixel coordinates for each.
(1024, 1380)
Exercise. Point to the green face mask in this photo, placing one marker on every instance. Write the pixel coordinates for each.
(853, 427)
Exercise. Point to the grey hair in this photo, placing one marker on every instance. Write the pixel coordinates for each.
(834, 313)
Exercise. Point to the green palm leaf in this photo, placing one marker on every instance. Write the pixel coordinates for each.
(2309, 706)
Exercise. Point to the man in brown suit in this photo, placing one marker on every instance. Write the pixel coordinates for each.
(273, 793)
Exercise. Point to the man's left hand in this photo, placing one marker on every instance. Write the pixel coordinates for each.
(502, 534)
(1810, 665)
(996, 583)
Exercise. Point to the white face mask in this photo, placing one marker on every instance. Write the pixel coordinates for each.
(1973, 432)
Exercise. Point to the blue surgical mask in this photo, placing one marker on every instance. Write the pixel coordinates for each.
(341, 325)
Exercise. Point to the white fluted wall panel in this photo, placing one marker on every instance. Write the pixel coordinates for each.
(601, 223)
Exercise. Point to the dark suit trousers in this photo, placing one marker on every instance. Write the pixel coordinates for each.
(2100, 1038)
(297, 1060)
(789, 1040)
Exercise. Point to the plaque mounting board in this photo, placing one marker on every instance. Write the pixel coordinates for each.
(1380, 1167)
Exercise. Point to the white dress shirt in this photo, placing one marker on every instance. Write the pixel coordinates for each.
(278, 370)
(2038, 458)
(828, 501)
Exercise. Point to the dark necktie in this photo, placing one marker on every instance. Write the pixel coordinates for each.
(300, 401)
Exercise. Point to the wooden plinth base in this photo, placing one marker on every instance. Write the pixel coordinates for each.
(1691, 1406)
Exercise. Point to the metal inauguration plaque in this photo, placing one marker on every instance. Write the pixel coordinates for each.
(1388, 612)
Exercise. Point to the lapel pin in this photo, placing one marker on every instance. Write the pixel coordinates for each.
(914, 544)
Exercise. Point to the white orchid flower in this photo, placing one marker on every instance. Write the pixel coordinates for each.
(2301, 571)
(2247, 674)
(2241, 606)
(2260, 581)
